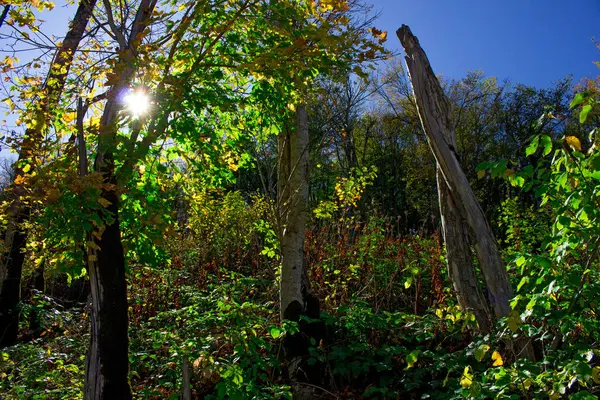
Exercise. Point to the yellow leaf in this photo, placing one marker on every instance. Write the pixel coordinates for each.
(92, 257)
(596, 374)
(514, 321)
(26, 168)
(466, 379)
(480, 174)
(69, 117)
(497, 358)
(508, 173)
(573, 142)
(103, 202)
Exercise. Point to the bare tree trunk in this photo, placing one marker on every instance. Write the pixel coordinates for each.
(293, 204)
(296, 296)
(186, 389)
(11, 266)
(460, 260)
(107, 362)
(435, 115)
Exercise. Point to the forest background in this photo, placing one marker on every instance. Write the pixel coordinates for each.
(164, 226)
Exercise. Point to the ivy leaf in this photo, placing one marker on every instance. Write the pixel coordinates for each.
(514, 321)
(466, 380)
(596, 374)
(480, 352)
(412, 358)
(497, 358)
(275, 332)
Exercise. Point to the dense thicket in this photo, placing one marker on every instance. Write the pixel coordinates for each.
(181, 218)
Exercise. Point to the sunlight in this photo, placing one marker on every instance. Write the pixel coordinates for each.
(137, 102)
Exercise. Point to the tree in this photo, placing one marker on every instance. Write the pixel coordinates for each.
(107, 360)
(435, 116)
(18, 213)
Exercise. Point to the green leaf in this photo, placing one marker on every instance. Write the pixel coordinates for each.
(533, 146)
(577, 100)
(480, 352)
(412, 358)
(523, 281)
(547, 143)
(275, 332)
(585, 110)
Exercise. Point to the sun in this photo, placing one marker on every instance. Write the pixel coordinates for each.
(137, 102)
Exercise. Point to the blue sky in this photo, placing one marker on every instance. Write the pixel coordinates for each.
(535, 42)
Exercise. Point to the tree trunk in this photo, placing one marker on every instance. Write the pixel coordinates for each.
(107, 362)
(11, 266)
(460, 260)
(434, 112)
(293, 204)
(296, 296)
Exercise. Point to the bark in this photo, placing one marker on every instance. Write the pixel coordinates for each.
(460, 260)
(296, 296)
(4, 15)
(107, 362)
(186, 389)
(293, 203)
(434, 112)
(11, 266)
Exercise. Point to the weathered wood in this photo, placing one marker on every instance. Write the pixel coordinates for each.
(460, 259)
(435, 114)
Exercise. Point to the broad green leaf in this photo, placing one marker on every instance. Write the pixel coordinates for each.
(585, 110)
(480, 352)
(547, 143)
(533, 146)
(412, 358)
(275, 332)
(577, 100)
